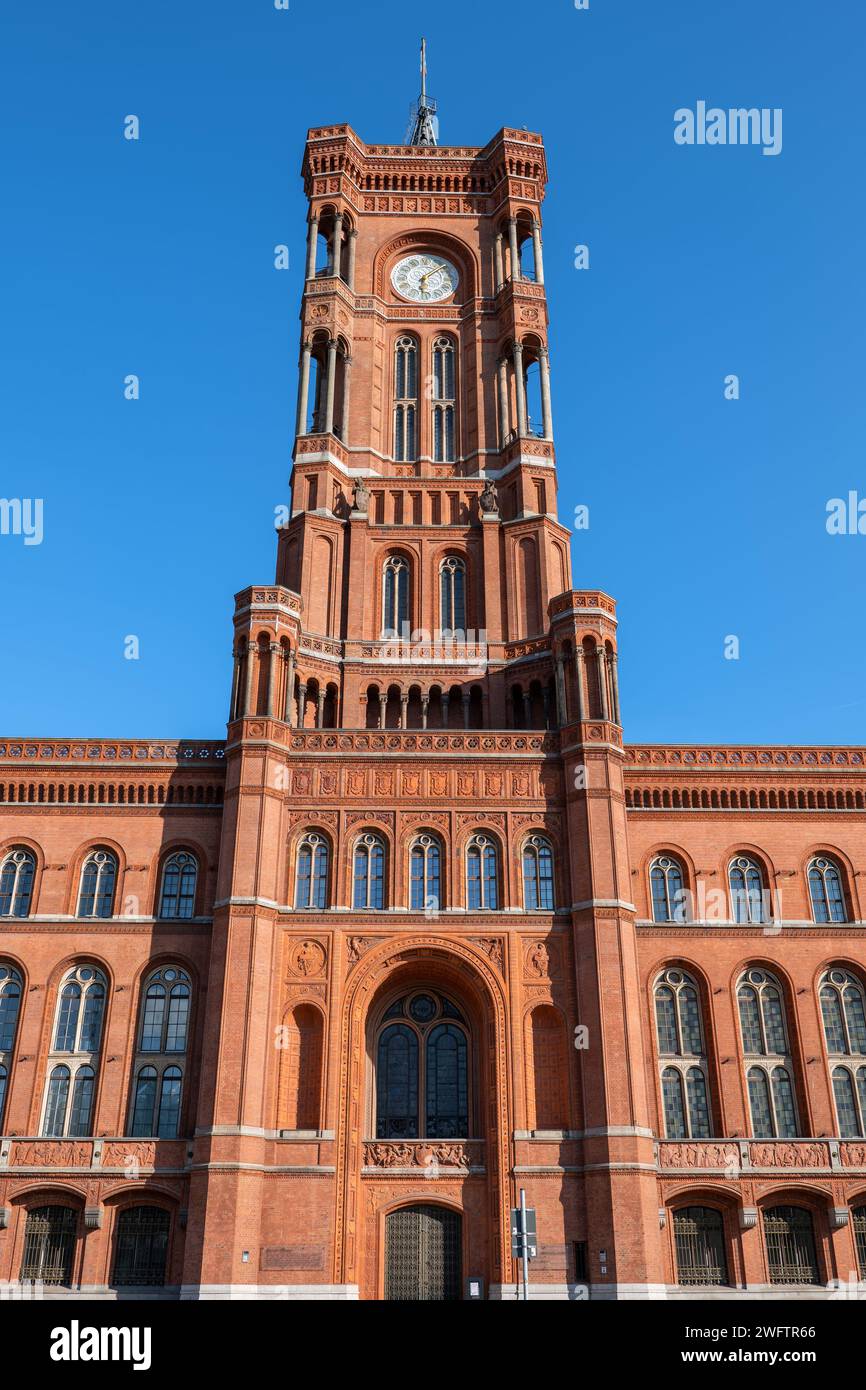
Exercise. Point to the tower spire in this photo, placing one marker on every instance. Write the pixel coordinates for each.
(423, 122)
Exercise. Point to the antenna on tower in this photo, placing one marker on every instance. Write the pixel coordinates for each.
(423, 126)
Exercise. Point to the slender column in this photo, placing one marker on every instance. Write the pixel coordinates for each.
(383, 700)
(536, 251)
(312, 238)
(466, 709)
(527, 710)
(337, 244)
(614, 684)
(519, 387)
(303, 389)
(503, 401)
(581, 682)
(545, 695)
(302, 703)
(425, 705)
(544, 373)
(512, 247)
(289, 698)
(445, 699)
(347, 379)
(353, 241)
(272, 673)
(498, 264)
(404, 711)
(236, 676)
(248, 687)
(561, 697)
(320, 709)
(332, 381)
(601, 655)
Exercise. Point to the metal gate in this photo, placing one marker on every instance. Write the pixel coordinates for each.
(422, 1255)
(860, 1238)
(700, 1243)
(49, 1244)
(790, 1246)
(142, 1246)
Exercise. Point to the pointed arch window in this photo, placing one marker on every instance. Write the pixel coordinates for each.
(482, 874)
(160, 1062)
(422, 1070)
(74, 1055)
(538, 874)
(98, 879)
(444, 401)
(369, 873)
(666, 884)
(17, 872)
(425, 868)
(452, 594)
(681, 1046)
(769, 1068)
(395, 596)
(747, 890)
(10, 1007)
(179, 876)
(844, 1018)
(405, 399)
(825, 890)
(311, 882)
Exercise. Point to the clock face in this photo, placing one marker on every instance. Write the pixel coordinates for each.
(424, 279)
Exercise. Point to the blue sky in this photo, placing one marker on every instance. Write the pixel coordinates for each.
(707, 516)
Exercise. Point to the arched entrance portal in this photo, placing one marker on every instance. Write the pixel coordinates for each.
(423, 1254)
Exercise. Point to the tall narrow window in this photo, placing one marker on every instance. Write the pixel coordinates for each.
(10, 1005)
(369, 873)
(98, 877)
(395, 596)
(74, 1056)
(425, 859)
(160, 1060)
(16, 883)
(666, 883)
(825, 889)
(311, 883)
(747, 890)
(482, 874)
(422, 1070)
(844, 1016)
(537, 874)
(452, 594)
(769, 1069)
(405, 399)
(444, 401)
(179, 875)
(681, 1048)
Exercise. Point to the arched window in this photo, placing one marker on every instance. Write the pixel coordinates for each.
(537, 874)
(49, 1245)
(747, 890)
(699, 1238)
(482, 874)
(444, 401)
(425, 859)
(790, 1246)
(452, 594)
(142, 1247)
(369, 873)
(405, 399)
(98, 878)
(825, 889)
(74, 1055)
(160, 1061)
(842, 1010)
(17, 871)
(179, 875)
(395, 596)
(10, 1005)
(668, 895)
(681, 1045)
(769, 1069)
(422, 1070)
(311, 883)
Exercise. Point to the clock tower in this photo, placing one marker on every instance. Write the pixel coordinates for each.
(424, 742)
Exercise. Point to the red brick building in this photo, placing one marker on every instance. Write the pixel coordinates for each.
(300, 1014)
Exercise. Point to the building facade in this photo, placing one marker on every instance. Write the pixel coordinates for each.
(300, 1014)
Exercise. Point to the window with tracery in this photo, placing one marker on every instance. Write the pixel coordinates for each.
(73, 1060)
(683, 1055)
(844, 1018)
(405, 399)
(452, 594)
(747, 890)
(395, 596)
(422, 1070)
(368, 879)
(425, 870)
(482, 874)
(537, 874)
(98, 880)
(179, 875)
(160, 1060)
(825, 891)
(10, 1008)
(769, 1069)
(666, 884)
(17, 872)
(311, 880)
(444, 401)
